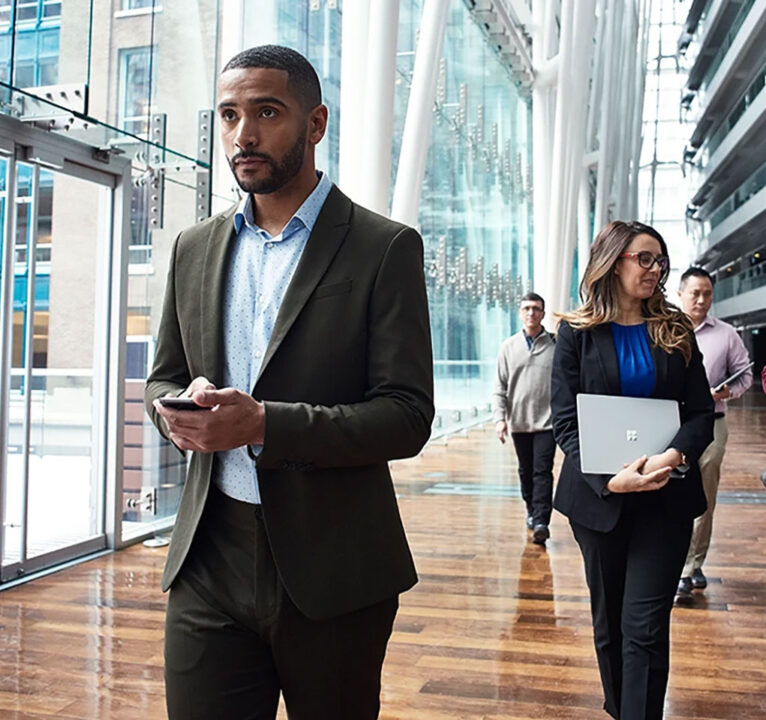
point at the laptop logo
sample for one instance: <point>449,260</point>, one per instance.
<point>632,435</point>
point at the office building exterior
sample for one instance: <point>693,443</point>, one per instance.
<point>724,99</point>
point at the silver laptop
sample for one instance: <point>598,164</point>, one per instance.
<point>615,430</point>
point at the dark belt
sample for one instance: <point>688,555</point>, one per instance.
<point>719,415</point>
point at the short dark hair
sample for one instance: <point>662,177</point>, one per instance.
<point>695,271</point>
<point>533,297</point>
<point>301,76</point>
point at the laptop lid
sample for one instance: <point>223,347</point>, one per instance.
<point>615,430</point>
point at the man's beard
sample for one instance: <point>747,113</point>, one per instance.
<point>281,173</point>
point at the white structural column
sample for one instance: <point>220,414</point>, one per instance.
<point>581,28</point>
<point>583,224</point>
<point>564,183</point>
<point>353,67</point>
<point>599,95</point>
<point>624,64</point>
<point>378,121</point>
<point>629,65</point>
<point>638,131</point>
<point>419,118</point>
<point>611,69</point>
<point>542,138</point>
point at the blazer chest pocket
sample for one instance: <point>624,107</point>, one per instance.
<point>329,289</point>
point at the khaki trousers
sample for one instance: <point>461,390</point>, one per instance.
<point>710,469</point>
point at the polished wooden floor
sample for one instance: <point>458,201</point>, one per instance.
<point>497,628</point>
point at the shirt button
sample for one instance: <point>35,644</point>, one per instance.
<point>258,354</point>
<point>269,245</point>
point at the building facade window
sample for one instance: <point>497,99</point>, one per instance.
<point>29,12</point>
<point>137,4</point>
<point>135,89</point>
<point>35,51</point>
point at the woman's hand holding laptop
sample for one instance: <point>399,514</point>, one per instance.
<point>671,457</point>
<point>645,473</point>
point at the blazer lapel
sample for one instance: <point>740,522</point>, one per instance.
<point>327,236</point>
<point>211,298</point>
<point>607,357</point>
<point>661,359</point>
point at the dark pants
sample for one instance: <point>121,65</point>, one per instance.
<point>234,639</point>
<point>535,452</point>
<point>632,573</point>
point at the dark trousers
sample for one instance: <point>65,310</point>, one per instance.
<point>535,452</point>
<point>234,639</point>
<point>632,573</point>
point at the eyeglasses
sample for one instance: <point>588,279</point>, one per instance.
<point>531,309</point>
<point>646,260</point>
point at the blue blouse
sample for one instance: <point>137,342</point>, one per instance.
<point>634,356</point>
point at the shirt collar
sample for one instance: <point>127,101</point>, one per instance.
<point>306,214</point>
<point>708,321</point>
<point>531,339</point>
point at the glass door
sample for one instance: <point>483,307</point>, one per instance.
<point>57,220</point>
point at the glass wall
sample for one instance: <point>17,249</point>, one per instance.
<point>475,210</point>
<point>663,182</point>
<point>114,75</point>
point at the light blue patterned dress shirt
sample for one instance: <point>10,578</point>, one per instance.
<point>260,270</point>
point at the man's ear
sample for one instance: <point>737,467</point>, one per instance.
<point>317,124</point>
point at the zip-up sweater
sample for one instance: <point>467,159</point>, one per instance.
<point>522,394</point>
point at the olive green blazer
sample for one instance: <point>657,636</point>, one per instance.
<point>347,384</point>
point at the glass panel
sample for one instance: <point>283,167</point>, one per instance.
<point>662,183</point>
<point>475,210</point>
<point>135,90</point>
<point>10,507</point>
<point>153,467</point>
<point>130,71</point>
<point>14,493</point>
<point>65,488</point>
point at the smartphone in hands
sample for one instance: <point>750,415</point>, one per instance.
<point>181,403</point>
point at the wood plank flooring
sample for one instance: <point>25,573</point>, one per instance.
<point>497,628</point>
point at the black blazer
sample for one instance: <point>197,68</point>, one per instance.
<point>585,361</point>
<point>347,383</point>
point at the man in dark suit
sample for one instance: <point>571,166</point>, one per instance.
<point>298,322</point>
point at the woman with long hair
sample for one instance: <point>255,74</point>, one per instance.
<point>634,527</point>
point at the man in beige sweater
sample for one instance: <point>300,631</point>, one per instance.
<point>522,405</point>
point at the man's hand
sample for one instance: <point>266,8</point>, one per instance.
<point>234,419</point>
<point>199,383</point>
<point>632,479</point>
<point>723,394</point>
<point>501,428</point>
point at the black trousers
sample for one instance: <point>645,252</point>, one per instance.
<point>632,573</point>
<point>535,452</point>
<point>234,640</point>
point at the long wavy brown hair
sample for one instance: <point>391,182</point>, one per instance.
<point>668,327</point>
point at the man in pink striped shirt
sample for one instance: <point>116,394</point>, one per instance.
<point>723,354</point>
